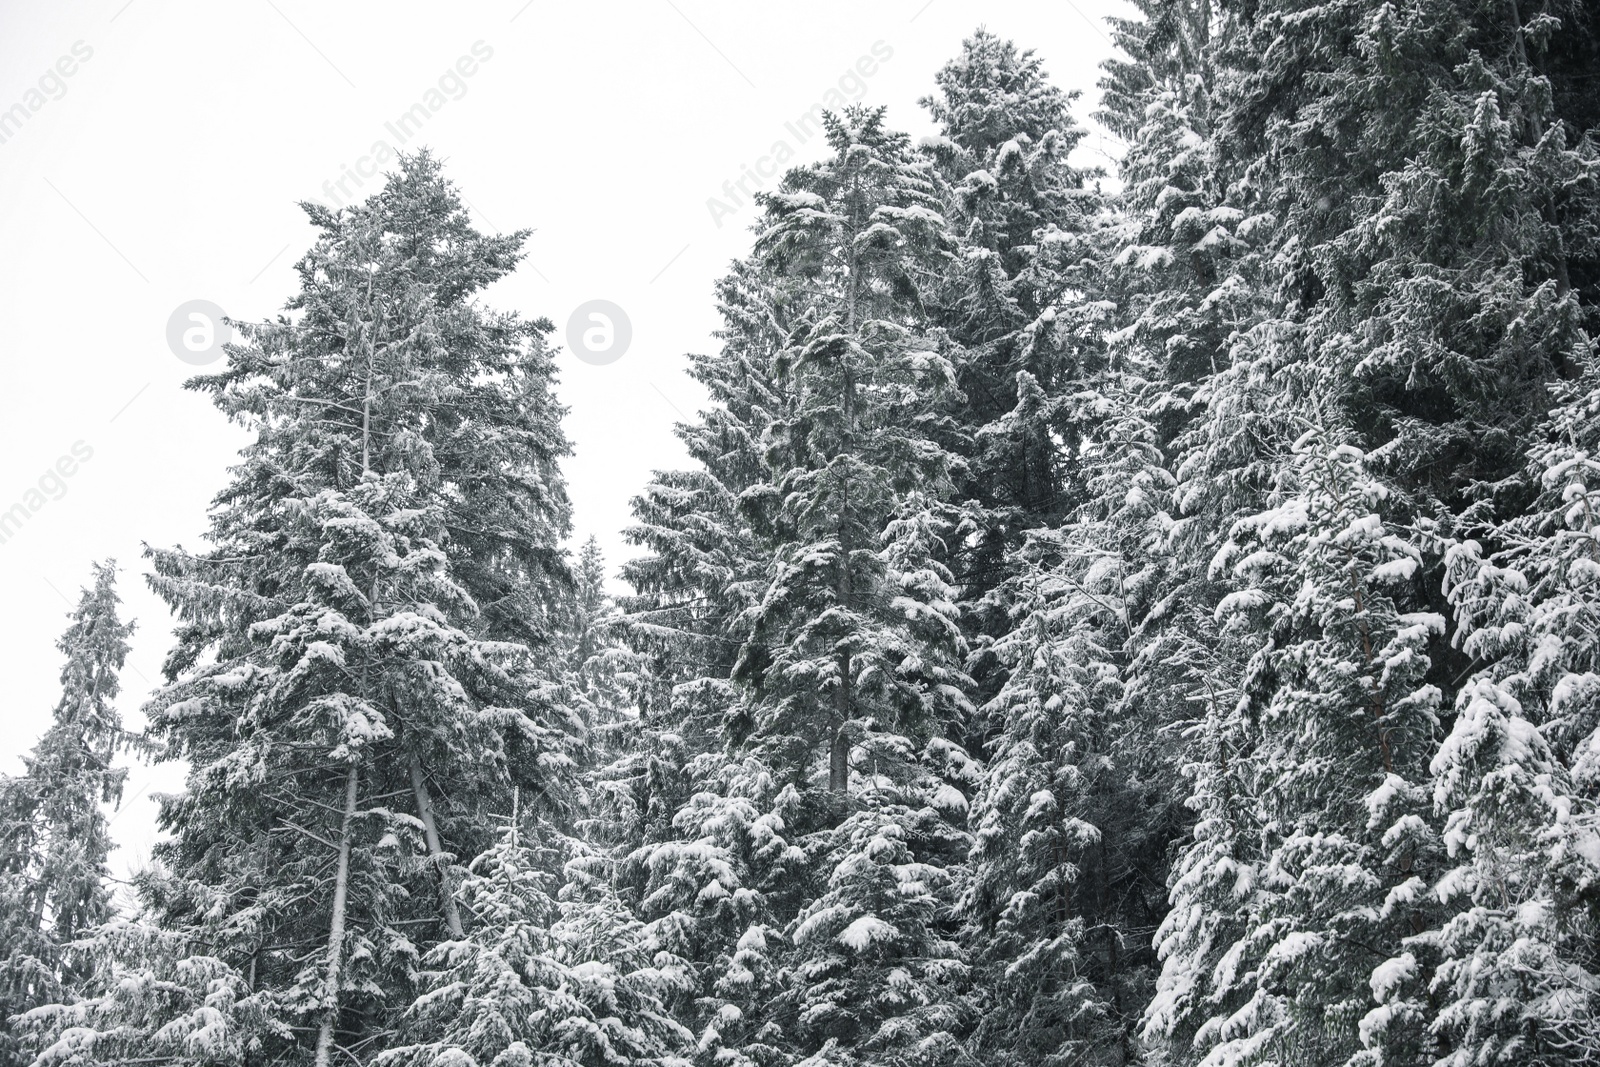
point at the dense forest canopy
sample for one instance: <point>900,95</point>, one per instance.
<point>1149,617</point>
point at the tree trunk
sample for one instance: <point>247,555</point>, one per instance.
<point>839,761</point>
<point>839,748</point>
<point>341,892</point>
<point>430,829</point>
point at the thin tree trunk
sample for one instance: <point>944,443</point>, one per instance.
<point>516,816</point>
<point>366,400</point>
<point>341,893</point>
<point>341,885</point>
<point>839,761</point>
<point>839,748</point>
<point>430,830</point>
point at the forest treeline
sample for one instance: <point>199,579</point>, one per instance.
<point>1110,618</point>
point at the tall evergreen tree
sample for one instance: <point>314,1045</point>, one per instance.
<point>700,527</point>
<point>151,996</point>
<point>803,619</point>
<point>856,609</point>
<point>1022,217</point>
<point>855,642</point>
<point>1401,169</point>
<point>703,824</point>
<point>606,676</point>
<point>1516,779</point>
<point>364,666</point>
<point>1420,246</point>
<point>1075,811</point>
<point>1347,724</point>
<point>56,838</point>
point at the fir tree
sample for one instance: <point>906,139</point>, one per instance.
<point>1022,217</point>
<point>855,610</point>
<point>1443,325</point>
<point>1346,725</point>
<point>1074,809</point>
<point>712,894</point>
<point>855,641</point>
<point>699,527</point>
<point>607,677</point>
<point>53,872</point>
<point>361,672</point>
<point>699,827</point>
<point>874,973</point>
<point>1515,781</point>
<point>542,979</point>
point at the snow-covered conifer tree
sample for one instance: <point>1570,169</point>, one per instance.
<point>54,834</point>
<point>1346,724</point>
<point>852,635</point>
<point>543,978</point>
<point>1516,780</point>
<point>1015,296</point>
<point>360,674</point>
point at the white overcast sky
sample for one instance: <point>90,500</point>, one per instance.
<point>168,167</point>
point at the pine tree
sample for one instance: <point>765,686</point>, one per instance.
<point>374,629</point>
<point>795,593</point>
<point>1414,203</point>
<point>855,642</point>
<point>53,873</point>
<point>1214,883</point>
<point>1519,980</point>
<point>1346,725</point>
<point>1515,781</point>
<point>1023,221</point>
<point>713,894</point>
<point>542,979</point>
<point>606,682</point>
<point>1109,642</point>
<point>874,972</point>
<point>855,461</point>
<point>591,605</point>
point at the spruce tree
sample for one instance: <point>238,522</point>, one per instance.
<point>1352,126</point>
<point>56,837</point>
<point>699,528</point>
<point>799,609</point>
<point>1075,810</point>
<point>542,978</point>
<point>1346,726</point>
<point>1023,219</point>
<point>699,825</point>
<point>606,680</point>
<point>1515,781</point>
<point>855,611</point>
<point>365,665</point>
<point>1411,202</point>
